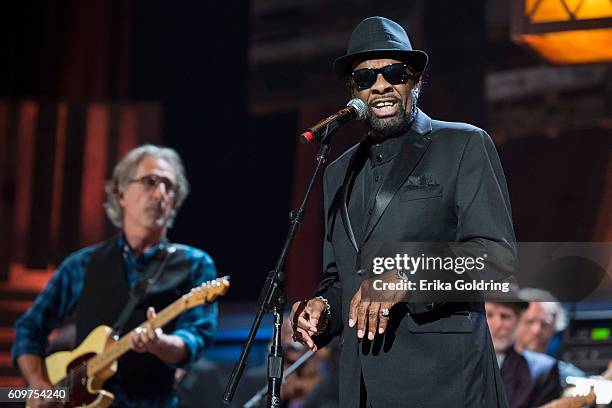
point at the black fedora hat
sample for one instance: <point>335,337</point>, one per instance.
<point>379,36</point>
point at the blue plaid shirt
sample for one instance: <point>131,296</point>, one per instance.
<point>58,300</point>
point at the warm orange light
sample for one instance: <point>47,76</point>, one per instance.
<point>566,31</point>
<point>573,47</point>
<point>595,9</point>
<point>545,11</point>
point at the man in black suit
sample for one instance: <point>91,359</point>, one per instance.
<point>412,179</point>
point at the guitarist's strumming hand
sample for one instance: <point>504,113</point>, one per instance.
<point>31,365</point>
<point>169,348</point>
<point>41,384</point>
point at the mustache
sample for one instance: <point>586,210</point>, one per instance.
<point>155,206</point>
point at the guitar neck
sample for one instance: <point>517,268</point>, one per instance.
<point>123,345</point>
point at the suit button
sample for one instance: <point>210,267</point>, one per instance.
<point>379,158</point>
<point>360,272</point>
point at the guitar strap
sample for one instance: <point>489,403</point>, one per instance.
<point>140,289</point>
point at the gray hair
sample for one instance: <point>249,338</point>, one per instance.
<point>125,170</point>
<point>549,303</point>
<point>557,310</point>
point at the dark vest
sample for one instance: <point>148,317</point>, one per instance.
<point>140,376</point>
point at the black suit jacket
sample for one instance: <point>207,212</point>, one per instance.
<point>437,355</point>
<point>531,379</point>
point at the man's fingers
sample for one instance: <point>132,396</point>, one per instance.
<point>362,316</point>
<point>304,319</point>
<point>353,308</point>
<point>383,320</point>
<point>314,310</point>
<point>144,335</point>
<point>305,325</point>
<point>296,311</point>
<point>135,340</point>
<point>151,313</point>
<point>151,335</point>
<point>304,338</point>
<point>373,319</point>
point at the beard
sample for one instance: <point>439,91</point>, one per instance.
<point>392,126</point>
<point>156,215</point>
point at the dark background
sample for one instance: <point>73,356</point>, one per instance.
<point>233,118</point>
<point>229,85</point>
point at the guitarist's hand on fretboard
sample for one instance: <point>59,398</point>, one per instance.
<point>146,339</point>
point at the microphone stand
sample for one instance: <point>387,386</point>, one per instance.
<point>254,401</point>
<point>272,299</point>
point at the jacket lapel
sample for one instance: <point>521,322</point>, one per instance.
<point>412,150</point>
<point>351,173</point>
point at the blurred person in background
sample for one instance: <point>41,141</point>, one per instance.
<point>531,379</point>
<point>94,284</point>
<point>536,328</point>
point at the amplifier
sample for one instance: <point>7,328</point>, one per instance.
<point>587,342</point>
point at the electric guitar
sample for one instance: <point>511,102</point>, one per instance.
<point>84,370</point>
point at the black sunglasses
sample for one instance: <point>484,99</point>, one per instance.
<point>151,181</point>
<point>394,74</point>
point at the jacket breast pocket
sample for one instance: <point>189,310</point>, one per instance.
<point>410,193</point>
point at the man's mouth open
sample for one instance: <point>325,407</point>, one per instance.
<point>384,108</point>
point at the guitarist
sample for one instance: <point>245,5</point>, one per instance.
<point>93,285</point>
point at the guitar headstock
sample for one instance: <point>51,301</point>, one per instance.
<point>207,292</point>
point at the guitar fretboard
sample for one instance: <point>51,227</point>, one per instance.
<point>123,345</point>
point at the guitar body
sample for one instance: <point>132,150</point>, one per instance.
<point>84,370</point>
<point>66,368</point>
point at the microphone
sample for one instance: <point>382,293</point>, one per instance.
<point>355,108</point>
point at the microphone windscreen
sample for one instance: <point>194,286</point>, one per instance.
<point>360,107</point>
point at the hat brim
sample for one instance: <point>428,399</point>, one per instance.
<point>416,59</point>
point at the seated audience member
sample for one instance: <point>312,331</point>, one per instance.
<point>531,379</point>
<point>326,393</point>
<point>537,326</point>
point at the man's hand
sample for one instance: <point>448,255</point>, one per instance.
<point>32,369</point>
<point>41,402</point>
<point>146,339</point>
<point>307,319</point>
<point>370,308</point>
<point>167,347</point>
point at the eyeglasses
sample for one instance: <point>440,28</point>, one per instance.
<point>151,181</point>
<point>394,74</point>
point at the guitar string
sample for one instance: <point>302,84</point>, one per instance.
<point>70,375</point>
